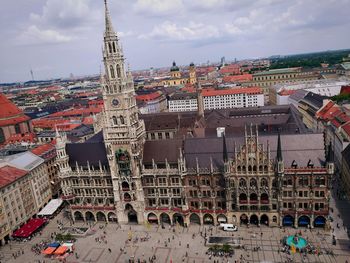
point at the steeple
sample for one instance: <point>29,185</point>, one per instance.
<point>224,150</point>
<point>109,26</point>
<point>279,149</point>
<point>279,158</point>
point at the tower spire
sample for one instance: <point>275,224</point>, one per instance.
<point>109,26</point>
<point>279,148</point>
<point>225,154</point>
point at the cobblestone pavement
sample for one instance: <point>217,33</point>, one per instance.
<point>170,244</point>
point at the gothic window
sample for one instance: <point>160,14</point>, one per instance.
<point>118,71</point>
<point>253,183</point>
<point>2,136</point>
<point>111,69</point>
<point>121,120</point>
<point>17,128</point>
<point>242,183</point>
<point>263,182</point>
<point>107,89</point>
<point>115,121</point>
<point>110,48</point>
<point>114,50</point>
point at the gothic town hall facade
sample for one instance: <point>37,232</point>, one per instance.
<point>258,175</point>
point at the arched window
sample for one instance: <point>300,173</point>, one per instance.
<point>121,119</point>
<point>242,183</point>
<point>107,89</point>
<point>115,121</point>
<point>17,128</point>
<point>263,182</point>
<point>118,71</point>
<point>253,183</point>
<point>110,47</point>
<point>2,136</point>
<point>114,50</point>
<point>111,69</point>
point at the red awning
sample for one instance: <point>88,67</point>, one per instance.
<point>29,228</point>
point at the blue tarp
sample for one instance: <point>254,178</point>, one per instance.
<point>55,244</point>
<point>319,221</point>
<point>288,220</point>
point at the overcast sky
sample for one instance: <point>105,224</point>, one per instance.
<point>59,37</point>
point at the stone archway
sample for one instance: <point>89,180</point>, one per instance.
<point>178,219</point>
<point>131,213</point>
<point>234,219</point>
<point>264,220</point>
<point>152,218</point>
<point>112,217</point>
<point>125,186</point>
<point>165,218</point>
<point>254,220</point>
<point>78,216</point>
<point>194,219</point>
<point>221,219</point>
<point>208,219</point>
<point>244,219</point>
<point>89,216</point>
<point>288,220</point>
<point>320,221</point>
<point>100,216</point>
<point>304,221</point>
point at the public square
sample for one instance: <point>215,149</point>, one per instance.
<point>177,244</point>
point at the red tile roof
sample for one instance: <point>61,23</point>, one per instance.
<point>17,138</point>
<point>9,174</point>
<point>10,114</point>
<point>286,92</point>
<point>247,90</point>
<point>238,78</point>
<point>148,97</point>
<point>45,151</point>
<point>231,69</point>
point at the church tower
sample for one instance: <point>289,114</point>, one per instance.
<point>123,131</point>
<point>192,73</point>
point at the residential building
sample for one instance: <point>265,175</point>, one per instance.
<point>217,99</point>
<point>16,200</point>
<point>15,126</point>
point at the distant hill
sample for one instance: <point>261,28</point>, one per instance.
<point>309,60</point>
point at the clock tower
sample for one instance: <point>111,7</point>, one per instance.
<point>123,131</point>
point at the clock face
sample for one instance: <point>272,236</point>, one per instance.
<point>115,102</point>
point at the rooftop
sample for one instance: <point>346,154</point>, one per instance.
<point>25,161</point>
<point>9,174</point>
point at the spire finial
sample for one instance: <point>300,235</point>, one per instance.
<point>109,27</point>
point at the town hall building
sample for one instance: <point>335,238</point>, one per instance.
<point>258,167</point>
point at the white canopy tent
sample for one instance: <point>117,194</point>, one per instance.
<point>51,207</point>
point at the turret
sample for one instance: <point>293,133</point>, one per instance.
<point>279,158</point>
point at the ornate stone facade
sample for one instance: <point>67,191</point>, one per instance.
<point>118,176</point>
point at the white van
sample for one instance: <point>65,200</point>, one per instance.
<point>228,227</point>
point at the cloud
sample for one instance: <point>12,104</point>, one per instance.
<point>169,31</point>
<point>126,34</point>
<point>66,14</point>
<point>159,7</point>
<point>34,36</point>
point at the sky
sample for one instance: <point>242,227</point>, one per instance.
<point>55,38</point>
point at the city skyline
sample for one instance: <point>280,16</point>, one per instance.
<point>55,38</point>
